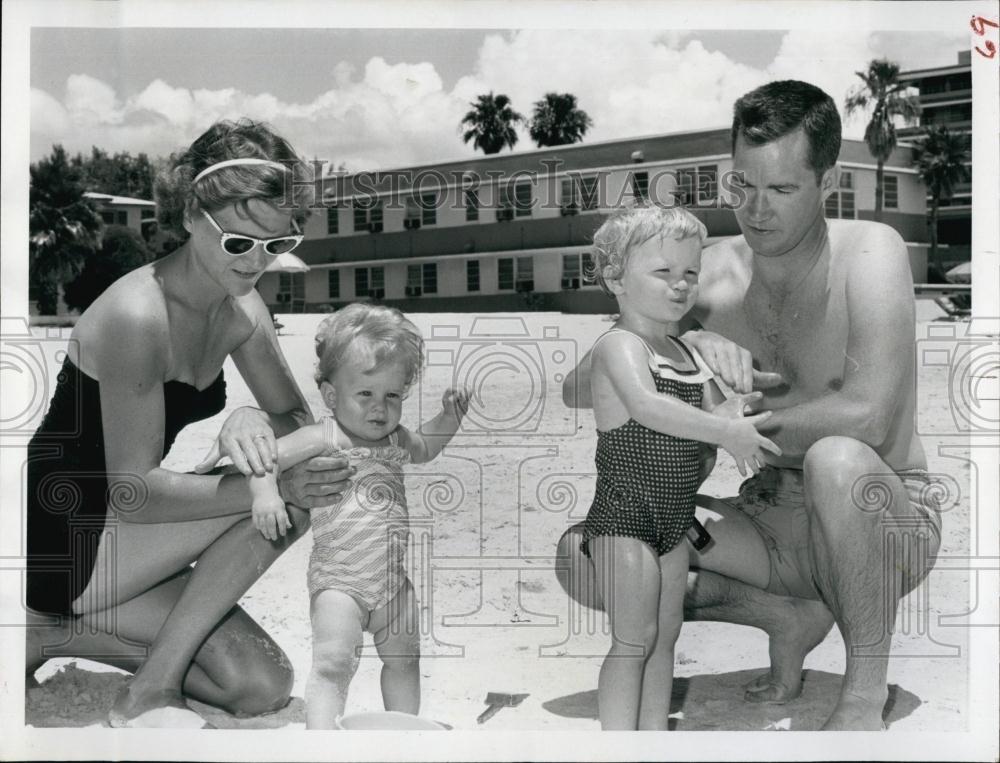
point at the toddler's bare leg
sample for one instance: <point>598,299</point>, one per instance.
<point>337,637</point>
<point>396,628</point>
<point>628,579</point>
<point>657,678</point>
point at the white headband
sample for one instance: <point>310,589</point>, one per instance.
<point>235,162</point>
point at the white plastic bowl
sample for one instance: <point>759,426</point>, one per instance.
<point>389,720</point>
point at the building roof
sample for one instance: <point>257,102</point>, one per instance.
<point>681,147</point>
<point>110,200</point>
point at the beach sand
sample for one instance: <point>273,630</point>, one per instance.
<point>486,517</point>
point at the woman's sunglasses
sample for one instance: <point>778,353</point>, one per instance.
<point>236,244</point>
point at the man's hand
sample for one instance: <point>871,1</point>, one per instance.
<point>738,406</point>
<point>316,482</point>
<point>731,362</point>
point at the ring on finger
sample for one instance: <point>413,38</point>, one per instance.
<point>260,437</point>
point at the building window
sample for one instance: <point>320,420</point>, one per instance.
<point>577,270</point>
<point>472,275</point>
<point>640,186</point>
<point>428,208</point>
<point>367,215</point>
<point>581,191</point>
<point>332,221</point>
<point>108,218</point>
<point>514,200</point>
<point>122,217</point>
<point>292,290</point>
<point>148,214</point>
<point>524,277</point>
<point>333,283</point>
<point>413,288</point>
<point>841,202</point>
<point>471,205</point>
<point>369,282</point>
<point>505,273</point>
<point>708,183</point>
<point>430,281</point>
<point>890,191</point>
<point>687,182</point>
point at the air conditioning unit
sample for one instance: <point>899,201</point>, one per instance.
<point>413,291</point>
<point>524,286</point>
<point>283,297</point>
<point>505,214</point>
<point>375,227</point>
<point>411,223</point>
<point>571,283</point>
<point>377,293</point>
<point>567,210</point>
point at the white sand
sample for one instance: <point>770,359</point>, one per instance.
<point>495,617</point>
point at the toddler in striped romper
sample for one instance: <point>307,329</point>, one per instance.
<point>368,357</point>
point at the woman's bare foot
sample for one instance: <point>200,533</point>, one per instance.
<point>803,627</point>
<point>162,709</point>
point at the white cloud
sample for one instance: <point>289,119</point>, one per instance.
<point>91,101</point>
<point>390,115</point>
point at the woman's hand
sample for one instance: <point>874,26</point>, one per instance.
<point>731,362</point>
<point>316,482</point>
<point>246,437</point>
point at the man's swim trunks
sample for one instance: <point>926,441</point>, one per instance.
<point>774,502</point>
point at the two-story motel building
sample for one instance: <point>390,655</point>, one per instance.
<point>512,232</point>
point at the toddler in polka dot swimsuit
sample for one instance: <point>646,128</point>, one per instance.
<point>655,402</point>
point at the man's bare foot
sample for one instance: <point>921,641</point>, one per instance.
<point>796,632</point>
<point>855,713</point>
<point>162,709</point>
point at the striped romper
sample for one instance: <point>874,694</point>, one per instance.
<point>359,543</point>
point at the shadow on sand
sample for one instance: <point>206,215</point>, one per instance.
<point>715,703</point>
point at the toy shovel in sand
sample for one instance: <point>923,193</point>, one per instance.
<point>496,701</point>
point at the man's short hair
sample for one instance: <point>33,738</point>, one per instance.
<point>778,108</point>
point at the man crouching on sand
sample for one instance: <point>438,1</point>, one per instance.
<point>825,310</point>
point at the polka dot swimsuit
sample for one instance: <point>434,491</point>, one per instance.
<point>646,480</point>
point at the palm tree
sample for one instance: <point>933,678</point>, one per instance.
<point>557,121</point>
<point>940,159</point>
<point>887,95</point>
<point>491,123</point>
<point>63,227</point>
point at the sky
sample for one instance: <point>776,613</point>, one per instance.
<point>382,98</point>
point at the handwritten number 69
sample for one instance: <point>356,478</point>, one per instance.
<point>979,25</point>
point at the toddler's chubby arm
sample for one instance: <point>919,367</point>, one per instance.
<point>267,506</point>
<point>437,432</point>
<point>619,370</point>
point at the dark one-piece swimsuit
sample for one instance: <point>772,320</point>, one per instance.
<point>647,480</point>
<point>68,483</point>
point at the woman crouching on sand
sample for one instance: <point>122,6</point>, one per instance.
<point>111,534</point>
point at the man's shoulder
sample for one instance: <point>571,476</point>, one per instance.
<point>725,256</point>
<point>864,237</point>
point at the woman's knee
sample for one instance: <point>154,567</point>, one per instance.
<point>261,691</point>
